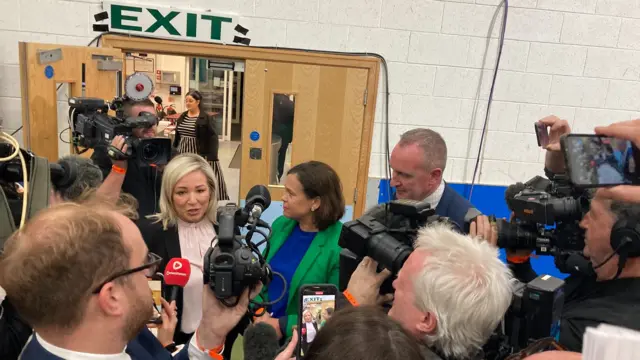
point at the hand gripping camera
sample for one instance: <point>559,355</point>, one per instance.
<point>92,125</point>
<point>233,265</point>
<point>386,234</point>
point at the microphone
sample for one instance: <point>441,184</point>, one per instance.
<point>512,191</point>
<point>260,342</point>
<point>158,99</point>
<point>258,199</point>
<point>65,172</point>
<point>176,276</point>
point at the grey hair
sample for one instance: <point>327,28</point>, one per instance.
<point>464,285</point>
<point>625,210</point>
<point>175,170</point>
<point>432,144</point>
<point>88,176</point>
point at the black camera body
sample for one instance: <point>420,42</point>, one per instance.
<point>93,126</point>
<point>232,265</point>
<point>386,234</point>
<point>534,313</point>
<point>546,217</point>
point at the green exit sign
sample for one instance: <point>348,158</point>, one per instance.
<point>170,23</point>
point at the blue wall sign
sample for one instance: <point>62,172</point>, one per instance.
<point>254,136</point>
<point>48,71</point>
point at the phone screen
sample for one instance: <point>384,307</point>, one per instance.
<point>317,304</point>
<point>542,134</point>
<point>595,161</point>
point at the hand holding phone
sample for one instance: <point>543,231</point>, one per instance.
<point>542,134</point>
<point>599,161</point>
<point>555,128</point>
<point>317,303</point>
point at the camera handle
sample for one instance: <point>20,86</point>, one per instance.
<point>116,154</point>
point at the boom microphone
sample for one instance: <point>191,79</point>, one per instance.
<point>176,276</point>
<point>260,342</point>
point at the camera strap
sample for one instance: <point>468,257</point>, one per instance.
<point>39,186</point>
<point>37,197</point>
<point>7,223</point>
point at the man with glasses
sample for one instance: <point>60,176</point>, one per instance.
<point>78,274</point>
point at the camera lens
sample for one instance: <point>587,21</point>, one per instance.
<point>150,152</point>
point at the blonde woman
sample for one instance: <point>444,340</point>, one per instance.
<point>309,330</point>
<point>184,228</point>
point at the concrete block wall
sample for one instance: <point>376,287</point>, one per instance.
<point>579,59</point>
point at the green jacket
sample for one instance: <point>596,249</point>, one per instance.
<point>319,265</point>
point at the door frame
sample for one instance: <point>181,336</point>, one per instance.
<point>187,48</point>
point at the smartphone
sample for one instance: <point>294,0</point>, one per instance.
<point>542,134</point>
<point>599,161</point>
<point>317,304</point>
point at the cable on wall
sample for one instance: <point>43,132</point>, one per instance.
<point>490,101</point>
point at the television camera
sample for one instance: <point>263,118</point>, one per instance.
<point>538,205</point>
<point>233,265</point>
<point>534,314</point>
<point>386,234</point>
<point>92,125</point>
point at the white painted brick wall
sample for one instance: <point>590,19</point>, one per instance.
<point>579,59</point>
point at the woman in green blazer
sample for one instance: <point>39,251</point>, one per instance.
<point>304,242</point>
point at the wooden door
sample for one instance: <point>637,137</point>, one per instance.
<point>329,113</point>
<point>42,69</point>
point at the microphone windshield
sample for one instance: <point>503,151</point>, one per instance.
<point>259,195</point>
<point>512,191</point>
<point>158,99</point>
<point>177,272</point>
<point>260,342</point>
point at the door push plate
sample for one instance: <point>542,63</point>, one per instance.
<point>49,56</point>
<point>255,153</point>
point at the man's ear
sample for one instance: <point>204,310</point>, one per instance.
<point>436,175</point>
<point>428,324</point>
<point>111,300</point>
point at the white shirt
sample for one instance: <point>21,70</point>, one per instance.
<point>74,355</point>
<point>434,199</point>
<point>311,332</point>
<point>195,240</point>
<point>194,352</point>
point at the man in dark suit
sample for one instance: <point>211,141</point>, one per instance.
<point>418,162</point>
<point>78,274</point>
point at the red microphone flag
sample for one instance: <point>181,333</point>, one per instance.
<point>177,272</point>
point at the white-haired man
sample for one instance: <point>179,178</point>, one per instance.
<point>452,292</point>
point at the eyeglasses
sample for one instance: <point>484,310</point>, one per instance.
<point>541,345</point>
<point>150,267</point>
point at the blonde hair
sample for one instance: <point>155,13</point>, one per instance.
<point>175,170</point>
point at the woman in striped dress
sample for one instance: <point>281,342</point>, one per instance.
<point>196,133</point>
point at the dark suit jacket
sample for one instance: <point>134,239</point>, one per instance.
<point>453,206</point>
<point>166,244</point>
<point>207,140</point>
<point>144,347</point>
